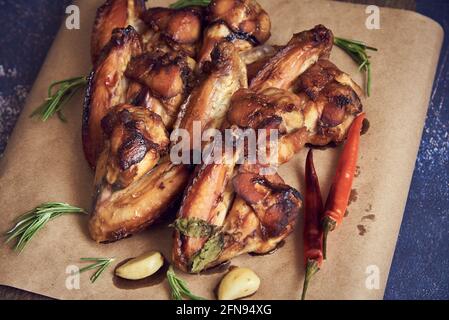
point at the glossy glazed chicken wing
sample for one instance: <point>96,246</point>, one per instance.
<point>114,14</point>
<point>242,22</point>
<point>302,51</point>
<point>177,30</point>
<point>107,87</point>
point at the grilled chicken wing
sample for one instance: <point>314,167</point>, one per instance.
<point>257,57</point>
<point>332,102</point>
<point>121,213</point>
<point>299,119</point>
<point>131,191</point>
<point>242,17</point>
<point>167,76</point>
<point>107,87</point>
<point>177,30</point>
<point>209,101</point>
<point>136,139</point>
<point>207,198</point>
<point>243,22</point>
<point>111,15</point>
<point>302,51</point>
<point>262,214</point>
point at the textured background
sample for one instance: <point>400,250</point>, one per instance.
<point>421,263</point>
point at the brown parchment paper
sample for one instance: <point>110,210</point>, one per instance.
<point>44,162</point>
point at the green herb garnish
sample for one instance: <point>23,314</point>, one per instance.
<point>34,220</point>
<point>358,52</point>
<point>209,253</point>
<point>179,288</point>
<point>56,100</point>
<point>99,263</point>
<point>194,227</point>
<point>188,3</point>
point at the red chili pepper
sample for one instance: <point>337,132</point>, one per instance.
<point>313,228</point>
<point>337,201</point>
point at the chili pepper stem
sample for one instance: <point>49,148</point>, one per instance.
<point>328,225</point>
<point>311,269</point>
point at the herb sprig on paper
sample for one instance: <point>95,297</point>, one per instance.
<point>358,52</point>
<point>34,220</point>
<point>179,288</point>
<point>56,100</point>
<point>101,264</point>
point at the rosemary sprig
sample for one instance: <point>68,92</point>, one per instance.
<point>34,220</point>
<point>358,52</point>
<point>56,100</point>
<point>179,287</point>
<point>98,263</point>
<point>187,3</point>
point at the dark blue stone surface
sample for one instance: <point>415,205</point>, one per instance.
<point>420,268</point>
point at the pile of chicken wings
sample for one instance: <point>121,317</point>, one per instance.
<point>160,69</point>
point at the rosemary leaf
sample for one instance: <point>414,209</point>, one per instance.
<point>101,264</point>
<point>357,50</point>
<point>194,227</point>
<point>179,287</point>
<point>210,251</point>
<point>34,220</point>
<point>188,3</point>
<point>59,93</point>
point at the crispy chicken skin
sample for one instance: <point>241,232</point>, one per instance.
<point>107,87</point>
<point>320,112</point>
<point>136,139</point>
<point>259,110</point>
<point>332,102</point>
<point>209,100</point>
<point>168,78</point>
<point>245,17</point>
<point>275,204</point>
<point>302,51</point>
<point>111,15</point>
<point>262,215</point>
<point>314,79</point>
<point>119,214</point>
<point>242,22</point>
<point>177,30</point>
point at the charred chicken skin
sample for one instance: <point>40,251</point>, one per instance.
<point>165,78</point>
<point>177,30</point>
<point>136,139</point>
<point>107,87</point>
<point>242,22</point>
<point>114,14</point>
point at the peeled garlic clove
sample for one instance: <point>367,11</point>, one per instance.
<point>238,283</point>
<point>141,267</point>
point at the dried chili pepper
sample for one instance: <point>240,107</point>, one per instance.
<point>338,198</point>
<point>313,228</point>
